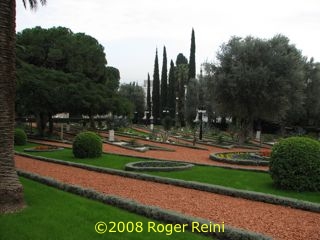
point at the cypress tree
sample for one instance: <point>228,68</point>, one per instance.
<point>164,82</point>
<point>172,91</point>
<point>148,97</point>
<point>192,59</point>
<point>156,91</point>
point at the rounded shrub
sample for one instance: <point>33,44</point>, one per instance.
<point>295,164</point>
<point>87,145</point>
<point>20,137</point>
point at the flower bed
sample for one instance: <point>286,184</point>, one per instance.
<point>157,166</point>
<point>243,158</point>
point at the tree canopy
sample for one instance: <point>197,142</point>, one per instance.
<point>63,72</point>
<point>258,79</point>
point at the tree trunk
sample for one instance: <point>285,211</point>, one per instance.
<point>92,125</point>
<point>50,132</point>
<point>11,190</point>
<point>41,124</point>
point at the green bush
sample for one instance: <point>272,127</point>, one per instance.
<point>295,164</point>
<point>87,145</point>
<point>20,137</point>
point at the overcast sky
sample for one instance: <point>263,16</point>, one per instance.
<point>131,30</point>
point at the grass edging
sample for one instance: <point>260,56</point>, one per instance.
<point>250,195</point>
<point>156,213</point>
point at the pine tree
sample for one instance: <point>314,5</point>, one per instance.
<point>156,91</point>
<point>192,59</point>
<point>172,91</point>
<point>148,97</point>
<point>164,82</point>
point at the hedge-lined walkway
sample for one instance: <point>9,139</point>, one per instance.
<point>276,221</point>
<point>180,154</point>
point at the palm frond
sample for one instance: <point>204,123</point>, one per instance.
<point>34,3</point>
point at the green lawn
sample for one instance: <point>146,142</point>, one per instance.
<point>54,214</point>
<point>245,180</point>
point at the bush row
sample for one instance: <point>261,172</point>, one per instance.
<point>246,162</point>
<point>230,233</point>
<point>255,196</point>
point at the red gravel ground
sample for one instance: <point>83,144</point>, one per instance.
<point>276,221</point>
<point>180,154</point>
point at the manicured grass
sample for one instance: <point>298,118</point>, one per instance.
<point>54,214</point>
<point>245,180</point>
<point>106,160</point>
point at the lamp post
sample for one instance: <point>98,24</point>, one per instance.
<point>151,118</point>
<point>201,112</point>
<point>177,112</point>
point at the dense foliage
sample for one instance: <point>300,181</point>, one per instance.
<point>295,164</point>
<point>87,145</point>
<point>258,79</point>
<point>61,71</point>
<point>20,137</point>
<point>136,98</point>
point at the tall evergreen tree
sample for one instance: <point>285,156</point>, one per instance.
<point>156,91</point>
<point>171,91</point>
<point>148,97</point>
<point>192,59</point>
<point>164,82</point>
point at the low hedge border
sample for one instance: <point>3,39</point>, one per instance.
<point>250,195</point>
<point>133,166</point>
<point>158,159</point>
<point>246,162</point>
<point>156,213</point>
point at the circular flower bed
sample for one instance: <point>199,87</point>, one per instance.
<point>242,158</point>
<point>157,166</point>
<point>43,148</point>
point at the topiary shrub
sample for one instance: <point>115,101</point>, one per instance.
<point>87,145</point>
<point>20,137</point>
<point>295,164</point>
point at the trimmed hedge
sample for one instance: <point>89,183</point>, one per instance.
<point>157,166</point>
<point>156,213</point>
<point>87,145</point>
<point>295,164</point>
<point>20,137</point>
<point>255,196</point>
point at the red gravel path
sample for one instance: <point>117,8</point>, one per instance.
<point>276,221</point>
<point>180,154</point>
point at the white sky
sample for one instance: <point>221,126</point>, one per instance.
<point>130,30</point>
